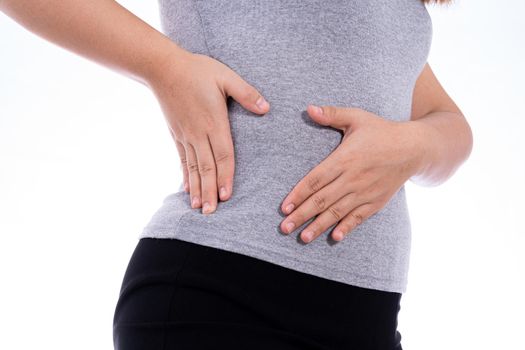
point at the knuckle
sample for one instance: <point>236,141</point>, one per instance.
<point>205,168</point>
<point>354,110</point>
<point>335,211</point>
<point>193,167</point>
<point>349,226</point>
<point>358,218</point>
<point>314,184</point>
<point>222,157</point>
<point>319,202</point>
<point>330,111</point>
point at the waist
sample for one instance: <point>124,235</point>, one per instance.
<point>374,255</point>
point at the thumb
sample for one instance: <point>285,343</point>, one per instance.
<point>242,92</point>
<point>341,118</point>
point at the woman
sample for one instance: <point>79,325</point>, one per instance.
<point>232,275</point>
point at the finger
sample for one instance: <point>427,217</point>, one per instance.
<point>182,157</point>
<point>183,162</point>
<point>222,148</point>
<point>208,175</point>
<point>352,220</point>
<point>330,216</point>
<point>193,175</point>
<point>315,204</point>
<point>314,181</point>
<point>242,92</point>
<point>341,118</point>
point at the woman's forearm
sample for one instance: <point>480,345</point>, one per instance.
<point>445,140</point>
<point>100,30</point>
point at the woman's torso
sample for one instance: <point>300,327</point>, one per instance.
<point>364,54</point>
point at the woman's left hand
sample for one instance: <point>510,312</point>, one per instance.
<point>374,159</point>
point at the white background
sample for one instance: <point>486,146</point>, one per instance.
<point>86,159</point>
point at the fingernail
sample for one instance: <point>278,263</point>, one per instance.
<point>206,208</point>
<point>195,202</point>
<point>222,193</point>
<point>289,208</point>
<point>307,236</point>
<point>290,226</point>
<point>338,235</point>
<point>317,109</point>
<point>261,103</point>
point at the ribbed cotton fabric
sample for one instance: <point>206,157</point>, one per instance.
<point>348,53</point>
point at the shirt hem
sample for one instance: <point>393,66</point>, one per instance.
<point>363,281</point>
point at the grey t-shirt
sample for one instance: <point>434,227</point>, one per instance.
<point>365,54</point>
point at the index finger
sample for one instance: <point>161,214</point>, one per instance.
<point>222,147</point>
<point>320,176</point>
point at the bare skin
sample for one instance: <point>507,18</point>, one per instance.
<point>192,91</point>
<point>194,104</point>
<point>191,88</point>
<point>375,158</point>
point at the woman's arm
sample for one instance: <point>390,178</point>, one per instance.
<point>446,137</point>
<point>375,158</point>
<point>101,30</point>
<point>191,88</point>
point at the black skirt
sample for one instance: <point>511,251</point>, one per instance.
<point>181,295</point>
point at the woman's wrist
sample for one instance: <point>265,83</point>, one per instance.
<point>165,65</point>
<point>420,147</point>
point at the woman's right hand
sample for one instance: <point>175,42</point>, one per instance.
<point>192,90</point>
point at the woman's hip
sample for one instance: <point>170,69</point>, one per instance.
<point>179,293</point>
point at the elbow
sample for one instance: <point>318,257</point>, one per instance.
<point>468,139</point>
<point>431,181</point>
<point>437,174</point>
